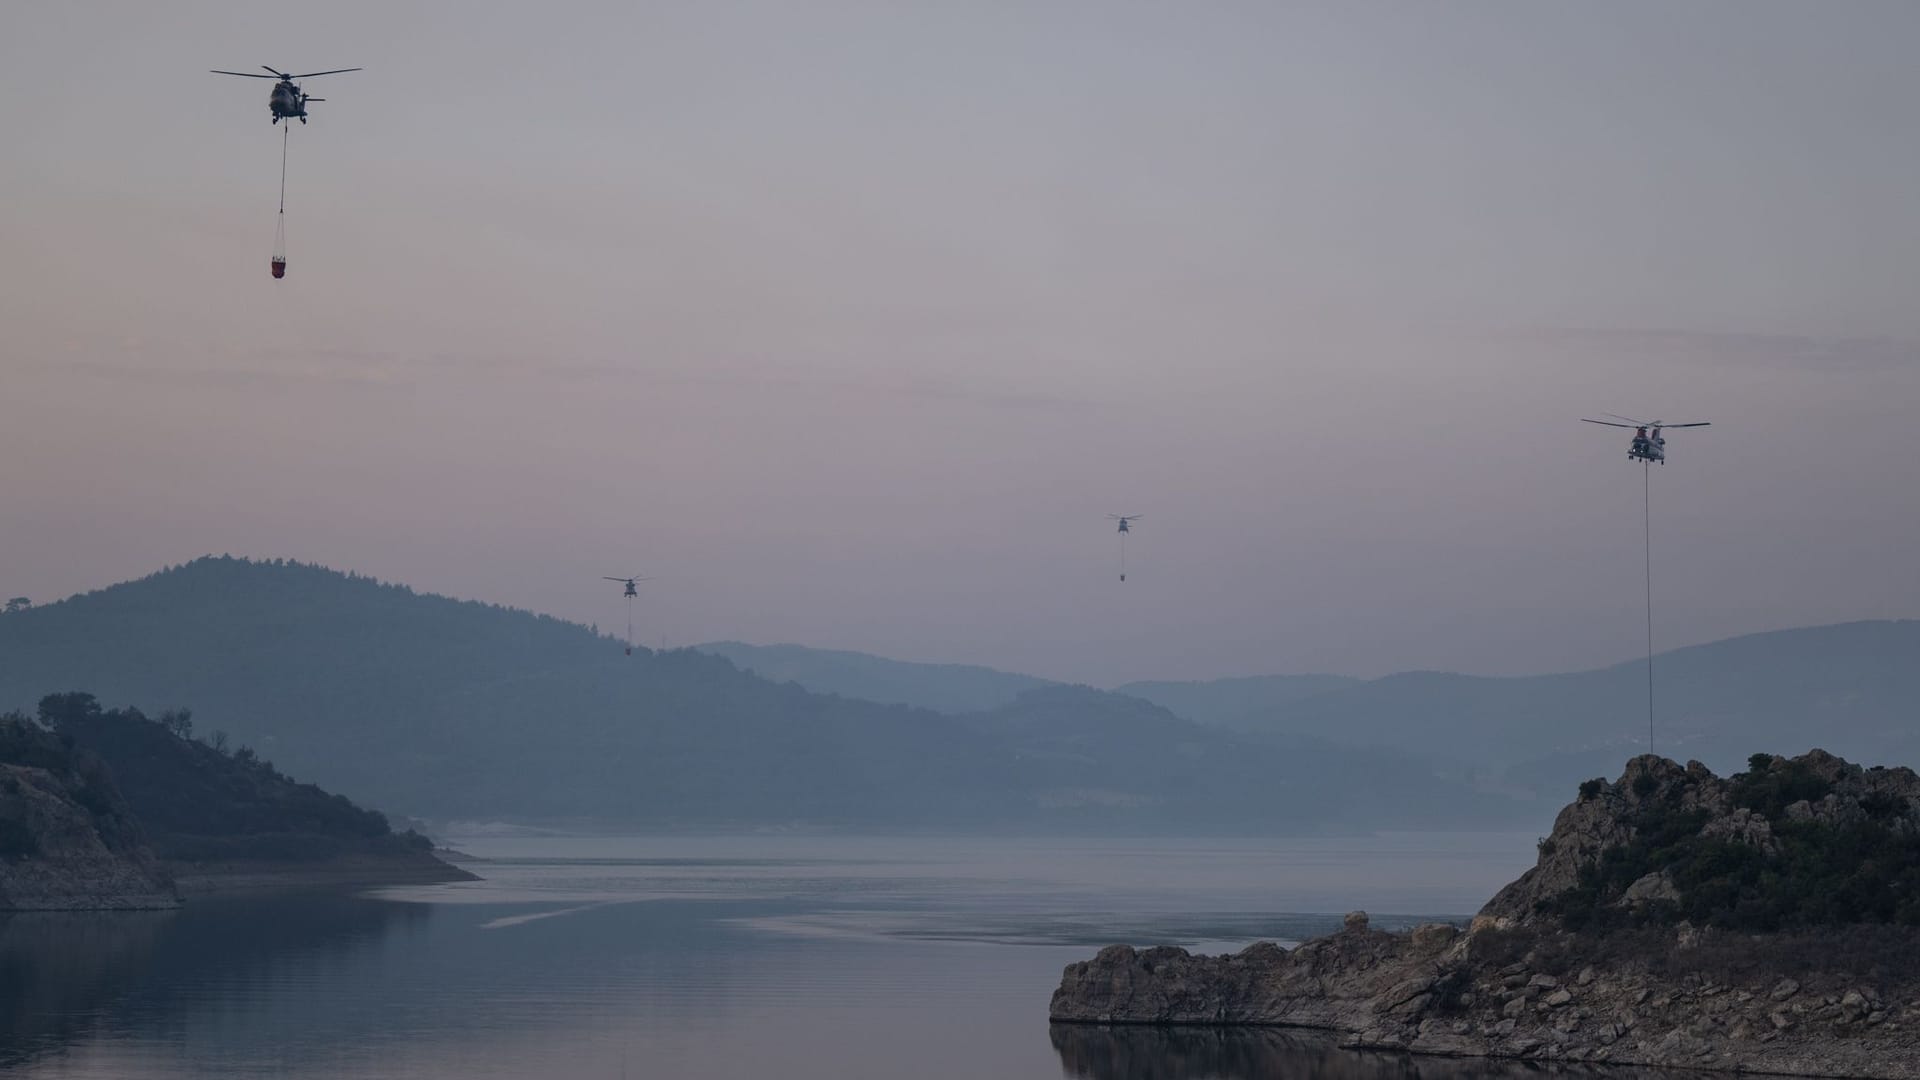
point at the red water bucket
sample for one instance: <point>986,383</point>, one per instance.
<point>279,268</point>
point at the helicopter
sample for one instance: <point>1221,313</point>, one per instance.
<point>633,591</point>
<point>1647,445</point>
<point>287,102</point>
<point>1126,526</point>
<point>632,583</point>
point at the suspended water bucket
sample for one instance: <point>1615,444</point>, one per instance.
<point>279,267</point>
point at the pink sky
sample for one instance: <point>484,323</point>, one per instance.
<point>850,322</point>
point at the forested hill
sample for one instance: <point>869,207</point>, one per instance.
<point>201,802</point>
<point>439,708</point>
<point>1238,702</point>
<point>947,688</point>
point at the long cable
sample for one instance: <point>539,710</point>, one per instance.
<point>280,222</point>
<point>1647,525</point>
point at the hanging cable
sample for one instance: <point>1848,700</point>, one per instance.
<point>1646,500</point>
<point>280,222</point>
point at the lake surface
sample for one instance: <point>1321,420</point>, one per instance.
<point>760,957</point>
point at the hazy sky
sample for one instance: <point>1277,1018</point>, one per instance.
<point>851,321</point>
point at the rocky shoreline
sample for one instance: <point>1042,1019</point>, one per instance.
<point>420,868</point>
<point>1575,963</point>
<point>1424,992</point>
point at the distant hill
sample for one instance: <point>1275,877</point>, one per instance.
<point>1235,703</point>
<point>1853,688</point>
<point>446,709</point>
<point>947,688</point>
<point>963,688</point>
<point>1090,753</point>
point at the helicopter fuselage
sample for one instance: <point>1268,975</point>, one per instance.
<point>287,103</point>
<point>1648,448</point>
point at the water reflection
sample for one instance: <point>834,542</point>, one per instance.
<point>1137,1052</point>
<point>750,958</point>
<point>65,976</point>
<point>56,969</point>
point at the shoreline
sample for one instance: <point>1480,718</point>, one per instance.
<point>1439,991</point>
<point>219,878</point>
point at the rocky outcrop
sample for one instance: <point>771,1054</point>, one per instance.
<point>1324,983</point>
<point>1816,788</point>
<point>1642,990</point>
<point>1426,993</point>
<point>67,841</point>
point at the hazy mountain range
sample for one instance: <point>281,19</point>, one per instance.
<point>446,709</point>
<point>1850,688</point>
<point>956,688</point>
<point>439,708</point>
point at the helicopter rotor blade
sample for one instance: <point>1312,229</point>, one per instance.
<point>242,74</point>
<point>1628,419</point>
<point>316,74</point>
<point>282,74</point>
<point>1608,423</point>
<point>1703,423</point>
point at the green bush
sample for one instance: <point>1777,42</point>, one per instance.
<point>1820,873</point>
<point>1769,790</point>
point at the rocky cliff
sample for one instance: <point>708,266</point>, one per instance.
<point>1767,922</point>
<point>67,840</point>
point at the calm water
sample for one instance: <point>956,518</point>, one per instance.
<point>752,957</point>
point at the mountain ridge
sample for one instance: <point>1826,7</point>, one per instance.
<point>1539,732</point>
<point>447,709</point>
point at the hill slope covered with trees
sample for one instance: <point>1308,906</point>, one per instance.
<point>201,803</point>
<point>446,709</point>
